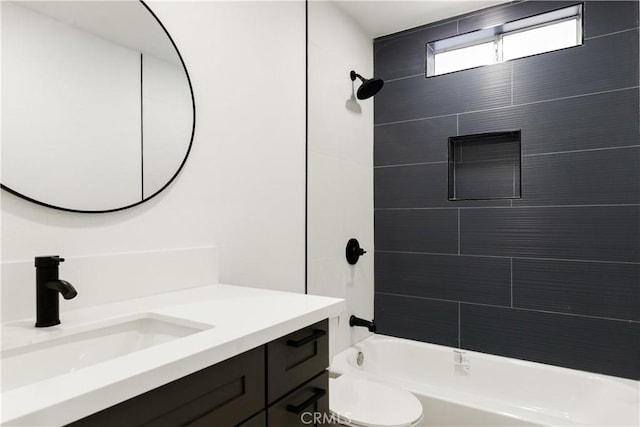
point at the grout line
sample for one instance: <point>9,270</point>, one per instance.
<point>513,183</point>
<point>509,257</point>
<point>412,76</point>
<point>512,83</point>
<point>511,279</point>
<point>438,254</point>
<point>458,231</point>
<point>515,105</point>
<point>416,209</point>
<point>585,150</point>
<point>410,164</point>
<point>611,34</point>
<point>417,120</point>
<point>451,163</point>
<point>542,101</point>
<point>459,325</point>
<point>505,206</point>
<point>615,319</point>
<point>521,173</point>
<point>458,126</point>
<point>494,160</point>
<point>412,30</point>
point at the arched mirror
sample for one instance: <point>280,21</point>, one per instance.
<point>98,112</point>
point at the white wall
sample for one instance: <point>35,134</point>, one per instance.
<point>248,72</point>
<point>340,166</point>
<point>242,189</point>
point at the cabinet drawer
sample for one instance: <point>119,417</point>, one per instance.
<point>299,407</point>
<point>224,394</point>
<point>296,358</point>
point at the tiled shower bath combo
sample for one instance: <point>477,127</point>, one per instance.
<point>550,273</point>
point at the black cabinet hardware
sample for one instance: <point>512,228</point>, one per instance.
<point>317,333</point>
<point>317,395</point>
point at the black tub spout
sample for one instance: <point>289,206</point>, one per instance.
<point>356,321</point>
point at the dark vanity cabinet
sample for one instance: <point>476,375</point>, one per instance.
<point>280,384</point>
<point>299,407</point>
<point>297,380</point>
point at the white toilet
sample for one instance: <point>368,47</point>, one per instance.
<point>359,402</point>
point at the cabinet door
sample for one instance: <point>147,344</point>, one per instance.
<point>296,358</point>
<point>222,395</point>
<point>259,420</point>
<point>305,406</point>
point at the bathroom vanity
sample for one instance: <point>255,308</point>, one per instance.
<point>278,381</point>
<point>215,355</point>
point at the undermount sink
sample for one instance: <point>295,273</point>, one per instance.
<point>84,347</point>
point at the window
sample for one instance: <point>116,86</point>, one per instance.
<point>539,40</point>
<point>546,32</point>
<point>466,57</point>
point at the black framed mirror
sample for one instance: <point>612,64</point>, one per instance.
<point>98,111</point>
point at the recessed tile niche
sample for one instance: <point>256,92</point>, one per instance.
<point>485,166</point>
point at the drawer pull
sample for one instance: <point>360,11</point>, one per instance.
<point>317,394</point>
<point>317,333</point>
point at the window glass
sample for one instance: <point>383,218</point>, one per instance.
<point>538,40</point>
<point>546,32</point>
<point>466,57</point>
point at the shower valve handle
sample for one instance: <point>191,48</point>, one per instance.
<point>354,251</point>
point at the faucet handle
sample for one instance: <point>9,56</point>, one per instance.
<point>48,261</point>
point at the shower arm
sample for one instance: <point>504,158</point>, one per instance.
<point>354,75</point>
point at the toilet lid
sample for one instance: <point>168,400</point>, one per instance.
<point>363,402</point>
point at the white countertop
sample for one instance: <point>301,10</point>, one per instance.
<point>243,318</point>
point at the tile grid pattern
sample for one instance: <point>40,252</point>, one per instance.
<point>554,276</point>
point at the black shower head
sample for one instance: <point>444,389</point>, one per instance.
<point>369,87</point>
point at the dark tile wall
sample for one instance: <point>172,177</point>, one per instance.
<point>554,276</point>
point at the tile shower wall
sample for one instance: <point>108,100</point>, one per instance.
<point>554,276</point>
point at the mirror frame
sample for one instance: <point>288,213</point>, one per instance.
<point>175,175</point>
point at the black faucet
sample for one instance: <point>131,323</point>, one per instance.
<point>48,285</point>
<point>356,321</point>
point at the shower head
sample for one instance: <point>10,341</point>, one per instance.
<point>369,87</point>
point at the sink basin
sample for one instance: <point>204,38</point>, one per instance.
<point>84,347</point>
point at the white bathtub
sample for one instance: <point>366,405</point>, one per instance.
<point>466,388</point>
